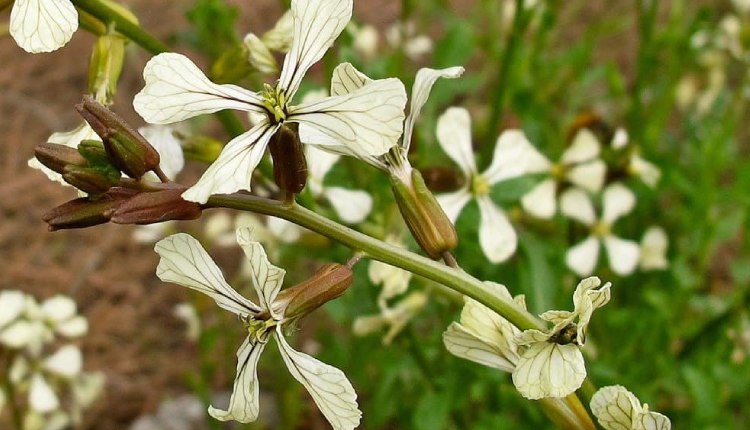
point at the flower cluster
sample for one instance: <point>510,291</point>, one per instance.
<point>38,367</point>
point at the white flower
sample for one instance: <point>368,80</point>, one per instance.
<point>394,317</point>
<point>12,305</point>
<point>742,5</point>
<point>369,119</point>
<point>394,281</point>
<point>647,171</point>
<point>623,254</point>
<point>70,139</point>
<point>171,158</point>
<point>65,364</point>
<point>352,206</point>
<point>654,249</point>
<point>483,336</point>
<point>60,315</point>
<point>404,35</point>
<point>187,314</point>
<point>365,41</point>
<point>579,165</point>
<point>185,262</point>
<point>497,237</point>
<point>550,362</point>
<point>42,25</point>
<point>278,39</point>
<point>616,408</point>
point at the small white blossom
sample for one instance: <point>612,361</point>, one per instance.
<point>616,408</point>
<point>497,237</point>
<point>654,246</point>
<point>185,262</point>
<point>278,39</point>
<point>393,280</point>
<point>404,35</point>
<point>623,254</point>
<point>189,315</point>
<point>638,166</point>
<point>483,336</point>
<point>365,40</point>
<point>550,362</point>
<point>369,119</point>
<point>171,157</point>
<point>394,317</point>
<point>42,25</point>
<point>579,165</point>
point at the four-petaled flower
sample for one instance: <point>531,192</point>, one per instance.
<point>550,363</point>
<point>370,118</point>
<point>579,165</point>
<point>497,237</point>
<point>617,200</point>
<point>42,25</point>
<point>185,262</point>
<point>616,408</point>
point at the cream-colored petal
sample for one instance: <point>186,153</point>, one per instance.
<point>463,343</point>
<point>652,421</point>
<point>285,231</point>
<point>454,136</point>
<point>618,200</point>
<point>347,79</point>
<point>319,162</point>
<point>576,204</point>
<point>259,55</point>
<point>644,169</point>
<point>512,153</point>
<point>497,237</point>
<point>244,404</point>
<point>585,146</point>
<point>58,308</point>
<point>394,280</point>
<point>176,89</point>
<point>317,24</point>
<point>620,139</point>
<point>281,36</point>
<point>266,278</point>
<point>87,388</point>
<point>615,407</point>
<point>42,398</point>
<point>328,386</point>
<point>541,201</point>
<point>368,121</point>
<point>185,262</point>
<point>42,25</point>
<point>453,203</point>
<point>653,249</point>
<point>352,206</point>
<point>589,176</point>
<point>70,139</point>
<point>162,138</point>
<point>623,254</point>
<point>423,83</point>
<point>582,257</point>
<point>66,362</point>
<point>549,370</point>
<point>19,334</point>
<point>12,304</point>
<point>233,170</point>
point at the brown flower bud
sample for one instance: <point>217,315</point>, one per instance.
<point>56,157</point>
<point>328,283</point>
<point>85,211</point>
<point>127,149</point>
<point>289,163</point>
<point>426,220</point>
<point>155,207</point>
<point>89,180</point>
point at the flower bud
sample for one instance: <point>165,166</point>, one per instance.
<point>289,163</point>
<point>328,283</point>
<point>202,148</point>
<point>86,212</point>
<point>127,149</point>
<point>105,66</point>
<point>93,151</point>
<point>426,220</point>
<point>89,180</point>
<point>56,157</point>
<point>155,207</point>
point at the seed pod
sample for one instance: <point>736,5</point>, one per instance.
<point>289,163</point>
<point>328,283</point>
<point>155,207</point>
<point>86,211</point>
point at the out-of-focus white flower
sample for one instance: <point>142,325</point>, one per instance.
<point>220,229</point>
<point>278,39</point>
<point>484,337</point>
<point>742,6</point>
<point>654,249</point>
<point>150,233</point>
<point>616,408</point>
<point>497,237</point>
<point>394,317</point>
<point>187,314</point>
<point>43,25</point>
<point>61,315</point>
<point>404,35</point>
<point>647,171</point>
<point>64,364</point>
<point>185,262</point>
<point>12,305</point>
<point>623,254</point>
<point>352,206</point>
<point>365,40</point>
<point>370,119</point>
<point>550,362</point>
<point>70,139</point>
<point>169,147</point>
<point>579,165</point>
<point>394,281</point>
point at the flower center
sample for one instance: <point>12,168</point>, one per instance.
<point>480,186</point>
<point>274,100</point>
<point>601,229</point>
<point>568,335</point>
<point>557,171</point>
<point>258,328</point>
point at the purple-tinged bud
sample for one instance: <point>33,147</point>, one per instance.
<point>85,211</point>
<point>328,283</point>
<point>155,207</point>
<point>428,223</point>
<point>127,149</point>
<point>289,163</point>
<point>56,157</point>
<point>89,180</point>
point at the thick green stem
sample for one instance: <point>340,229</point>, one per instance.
<point>122,24</point>
<point>379,250</point>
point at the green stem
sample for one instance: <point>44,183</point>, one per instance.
<point>123,25</point>
<point>379,250</point>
